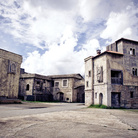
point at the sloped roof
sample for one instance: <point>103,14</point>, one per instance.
<point>29,75</point>
<point>79,83</point>
<point>124,39</point>
<point>77,76</point>
<point>106,52</point>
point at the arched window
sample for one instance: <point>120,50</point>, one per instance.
<point>27,87</point>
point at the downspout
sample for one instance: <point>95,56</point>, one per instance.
<point>92,81</point>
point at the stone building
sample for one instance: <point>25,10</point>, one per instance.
<point>34,87</point>
<point>111,77</point>
<point>9,74</point>
<point>68,88</point>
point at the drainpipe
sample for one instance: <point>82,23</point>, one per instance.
<point>92,81</point>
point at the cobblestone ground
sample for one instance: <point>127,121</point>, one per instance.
<point>74,122</point>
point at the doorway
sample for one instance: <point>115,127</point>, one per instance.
<point>60,96</point>
<point>100,98</point>
<point>115,99</point>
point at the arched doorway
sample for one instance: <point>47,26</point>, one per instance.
<point>100,98</point>
<point>60,96</point>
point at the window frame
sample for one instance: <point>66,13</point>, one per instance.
<point>63,82</point>
<point>132,51</point>
<point>134,72</point>
<point>55,84</point>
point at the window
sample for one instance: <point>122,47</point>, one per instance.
<point>134,71</point>
<point>131,94</point>
<point>38,82</point>
<point>87,84</point>
<point>65,83</point>
<point>27,87</point>
<point>95,95</point>
<point>132,51</point>
<point>56,84</point>
<point>11,67</point>
<point>89,73</point>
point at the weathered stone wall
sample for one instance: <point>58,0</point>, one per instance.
<point>100,87</point>
<point>130,61</point>
<point>9,74</point>
<point>129,81</point>
<point>88,79</point>
<point>37,85</point>
<point>66,90</point>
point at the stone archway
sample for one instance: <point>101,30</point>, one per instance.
<point>60,96</point>
<point>100,98</point>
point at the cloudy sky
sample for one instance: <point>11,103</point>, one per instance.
<point>54,36</point>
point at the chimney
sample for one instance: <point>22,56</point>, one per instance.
<point>98,51</point>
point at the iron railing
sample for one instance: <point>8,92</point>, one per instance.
<point>116,80</point>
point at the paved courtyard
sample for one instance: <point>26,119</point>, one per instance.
<point>65,120</point>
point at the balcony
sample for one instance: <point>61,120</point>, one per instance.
<point>116,77</point>
<point>116,80</point>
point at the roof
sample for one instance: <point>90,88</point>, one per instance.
<point>29,75</point>
<point>77,76</point>
<point>80,83</point>
<point>110,52</point>
<point>124,39</point>
<point>90,57</point>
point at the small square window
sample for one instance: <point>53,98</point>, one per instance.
<point>38,82</point>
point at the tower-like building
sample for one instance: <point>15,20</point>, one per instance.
<point>111,77</point>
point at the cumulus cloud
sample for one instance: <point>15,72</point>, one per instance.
<point>64,32</point>
<point>61,58</point>
<point>121,24</point>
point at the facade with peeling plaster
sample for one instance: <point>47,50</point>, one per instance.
<point>9,74</point>
<point>111,77</point>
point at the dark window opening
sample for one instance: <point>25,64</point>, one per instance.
<point>27,87</point>
<point>38,82</point>
<point>52,84</point>
<point>87,84</point>
<point>89,73</point>
<point>56,84</point>
<point>134,71</point>
<point>131,94</point>
<point>116,77</point>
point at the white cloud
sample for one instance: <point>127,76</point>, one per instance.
<point>121,24</point>
<point>61,59</point>
<point>56,27</point>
